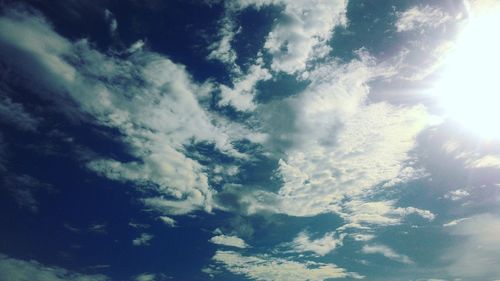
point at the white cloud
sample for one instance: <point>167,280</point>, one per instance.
<point>320,246</point>
<point>222,50</point>
<point>419,17</point>
<point>265,267</point>
<point>168,221</point>
<point>145,277</point>
<point>345,148</point>
<point>305,25</point>
<point>241,95</point>
<point>12,269</point>
<point>149,99</point>
<point>458,194</point>
<point>454,222</point>
<point>299,35</point>
<point>142,240</point>
<point>228,240</point>
<point>386,252</point>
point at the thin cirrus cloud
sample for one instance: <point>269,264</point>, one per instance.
<point>419,17</point>
<point>386,252</point>
<point>13,269</point>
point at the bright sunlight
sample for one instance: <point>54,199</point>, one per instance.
<point>469,90</point>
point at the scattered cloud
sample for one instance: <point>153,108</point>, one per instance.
<point>99,228</point>
<point>241,96</point>
<point>158,117</point>
<point>20,270</point>
<point>420,17</point>
<point>145,277</point>
<point>454,222</point>
<point>386,252</point>
<point>228,240</point>
<point>168,221</point>
<point>458,194</point>
<point>321,246</point>
<point>142,240</point>
<point>263,267</point>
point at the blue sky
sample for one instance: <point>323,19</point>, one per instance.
<point>249,140</point>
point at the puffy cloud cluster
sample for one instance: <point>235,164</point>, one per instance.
<point>150,100</point>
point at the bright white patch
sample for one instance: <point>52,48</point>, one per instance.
<point>469,90</point>
<point>227,240</point>
<point>320,246</point>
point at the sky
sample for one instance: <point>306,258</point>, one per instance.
<point>249,140</point>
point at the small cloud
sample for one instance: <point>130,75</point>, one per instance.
<point>137,46</point>
<point>145,277</point>
<point>168,221</point>
<point>386,252</point>
<point>227,240</point>
<point>110,18</point>
<point>100,228</point>
<point>457,194</point>
<point>454,222</point>
<point>138,225</point>
<point>142,240</point>
<point>320,246</point>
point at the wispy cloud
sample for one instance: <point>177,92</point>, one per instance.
<point>159,115</point>
<point>386,252</point>
<point>320,246</point>
<point>270,268</point>
<point>143,239</point>
<point>419,17</point>
<point>20,270</point>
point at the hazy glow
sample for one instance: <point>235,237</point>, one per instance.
<point>469,90</point>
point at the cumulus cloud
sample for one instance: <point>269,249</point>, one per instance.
<point>386,252</point>
<point>344,148</point>
<point>149,99</point>
<point>143,239</point>
<point>228,240</point>
<point>301,33</point>
<point>419,17</point>
<point>12,269</point>
<point>320,246</point>
<point>263,267</point>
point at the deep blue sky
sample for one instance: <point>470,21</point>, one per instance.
<point>240,140</point>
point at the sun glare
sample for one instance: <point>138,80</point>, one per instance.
<point>469,90</point>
